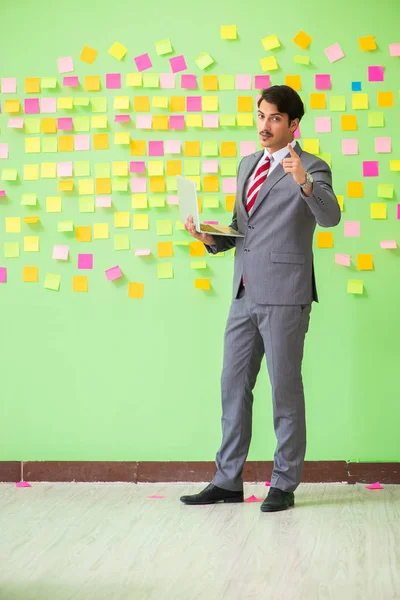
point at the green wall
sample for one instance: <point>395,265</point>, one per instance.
<point>100,376</point>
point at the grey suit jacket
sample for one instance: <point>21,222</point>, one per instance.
<point>275,257</point>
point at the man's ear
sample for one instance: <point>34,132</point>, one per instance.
<point>294,125</point>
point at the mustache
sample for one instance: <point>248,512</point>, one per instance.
<point>265,133</point>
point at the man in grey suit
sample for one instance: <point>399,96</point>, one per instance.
<point>282,192</point>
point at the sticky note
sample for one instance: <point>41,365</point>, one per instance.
<point>164,227</point>
<point>355,286</point>
<point>386,99</point>
<point>13,224</point>
<point>343,259</point>
<point>146,251</point>
<point>52,282</point>
<point>383,144</point>
<point>29,199</point>
<point>350,146</point>
<point>202,284</point>
<point>198,264</point>
<point>60,252</point>
<point>355,189</point>
<point>348,122</point>
<point>388,244</point>
<point>359,101</point>
<point>135,290</point>
<point>322,82</point>
<point>113,81</point>
<point>367,43</point>
<point>53,204</point>
<point>394,165</point>
<point>204,60</point>
<point>394,49</point>
<point>378,210</point>
<point>140,222</point>
<point>376,73</point>
<point>165,270</point>
<point>12,174</point>
<point>65,226</point>
<point>101,231</point>
<point>30,274</point>
<point>385,190</point>
<point>334,53</point>
<point>370,168</point>
<point>118,50</point>
<point>365,262</point>
<point>165,249</point>
<point>163,47</point>
<point>323,124</point>
<point>83,234</point>
<point>178,63</point>
<point>228,32</point>
<point>80,283</point>
<point>65,64</point>
<point>88,55</point>
<point>317,100</point>
<point>311,145</point>
<point>325,239</point>
<point>8,85</point>
<point>375,119</point>
<point>269,63</point>
<point>197,249</point>
<point>143,62</point>
<point>352,229</point>
<point>302,39</point>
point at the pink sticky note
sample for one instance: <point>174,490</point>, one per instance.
<point>143,252</point>
<point>167,81</point>
<point>138,184</point>
<point>113,81</point>
<point>343,259</point>
<point>210,121</point>
<point>143,62</point>
<point>143,121</point>
<point>82,142</point>
<point>2,193</point>
<point>173,146</point>
<point>374,486</point>
<point>253,499</point>
<point>375,74</point>
<point>122,118</point>
<point>103,201</point>
<point>398,211</point>
<point>193,104</point>
<point>229,185</point>
<point>262,82</point>
<point>178,63</point>
<point>322,82</point>
<point>247,148</point>
<point>22,484</point>
<point>113,273</point>
<point>243,82</point>
<point>3,274</point>
<point>383,144</point>
<point>85,261</point>
<point>188,82</point>
<point>48,105</point>
<point>177,122</point>
<point>9,85</point>
<point>172,200</point>
<point>3,150</point>
<point>64,123</point>
<point>64,169</point>
<point>156,148</point>
<point>350,146</point>
<point>389,244</point>
<point>297,133</point>
<point>137,166</point>
<point>155,496</point>
<point>65,64</point>
<point>394,49</point>
<point>334,53</point>
<point>15,123</point>
<point>323,124</point>
<point>31,106</point>
<point>210,166</point>
<point>71,81</point>
<point>60,252</point>
<point>267,483</point>
<point>370,168</point>
<point>352,229</point>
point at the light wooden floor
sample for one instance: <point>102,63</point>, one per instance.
<point>110,542</point>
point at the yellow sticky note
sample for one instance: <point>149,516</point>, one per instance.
<point>194,121</point>
<point>270,42</point>
<point>317,100</point>
<point>269,63</point>
<point>121,242</point>
<point>155,167</point>
<point>165,249</point>
<point>53,204</point>
<point>209,103</point>
<point>245,104</point>
<point>394,165</point>
<point>30,274</point>
<point>197,249</point>
<point>64,226</point>
<point>92,83</point>
<point>355,189</point>
<point>65,103</point>
<point>365,262</point>
<point>135,290</point>
<point>198,264</point>
<point>209,82</point>
<point>31,220</point>
<point>302,39</point>
<point>121,102</point>
<point>160,122</point>
<point>245,120</point>
<point>340,200</point>
<point>165,271</point>
<point>120,169</point>
<point>13,224</point>
<point>48,170</point>
<point>139,201</point>
<point>32,145</point>
<point>159,102</point>
<point>31,243</point>
<point>355,286</point>
<point>348,122</point>
<point>80,283</point>
<point>134,79</point>
<point>31,172</point>
<point>140,222</point>
<point>211,183</point>
<point>86,187</point>
<point>174,167</point>
<point>100,141</point>
<point>367,43</point>
<point>301,60</point>
<point>32,85</point>
<point>99,122</point>
<point>118,51</point>
<point>101,231</point>
<point>11,249</point>
<point>337,103</point>
<point>88,55</point>
<point>228,32</point>
<point>86,204</point>
<point>66,185</point>
<point>311,145</point>
<point>293,81</point>
<point>12,106</point>
<point>177,104</point>
<point>325,239</point>
<point>157,184</point>
<point>376,119</point>
<point>359,101</point>
<point>191,149</point>
<point>11,174</point>
<point>202,284</point>
<point>122,138</point>
<point>52,282</point>
<point>121,219</point>
<point>49,125</point>
<point>141,104</point>
<point>83,234</point>
<point>378,210</point>
<point>65,143</point>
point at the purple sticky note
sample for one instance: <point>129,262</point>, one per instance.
<point>243,82</point>
<point>229,185</point>
<point>178,63</point>
<point>3,274</point>
<point>193,104</point>
<point>22,484</point>
<point>210,121</point>
<point>65,64</point>
<point>370,168</point>
<point>15,123</point>
<point>173,146</point>
<point>60,252</point>
<point>122,118</point>
<point>48,105</point>
<point>64,123</point>
<point>71,81</point>
<point>113,273</point>
<point>3,150</point>
<point>143,62</point>
<point>85,261</point>
<point>343,259</point>
<point>8,85</point>
<point>167,80</point>
<point>210,166</point>
<point>113,81</point>
<point>138,184</point>
<point>103,201</point>
<point>156,148</point>
<point>247,148</point>
<point>394,49</point>
<point>262,82</point>
<point>322,82</point>
<point>64,169</point>
<point>352,229</point>
<point>31,106</point>
<point>82,142</point>
<point>383,144</point>
<point>188,82</point>
<point>334,53</point>
<point>375,74</point>
<point>137,166</point>
<point>350,146</point>
<point>177,122</point>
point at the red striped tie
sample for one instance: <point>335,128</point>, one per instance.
<point>259,178</point>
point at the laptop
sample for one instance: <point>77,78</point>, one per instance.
<point>188,205</point>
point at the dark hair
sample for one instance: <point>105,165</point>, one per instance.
<point>286,99</point>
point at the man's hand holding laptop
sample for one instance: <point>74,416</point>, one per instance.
<point>206,238</point>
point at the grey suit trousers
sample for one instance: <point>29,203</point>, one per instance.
<point>279,332</point>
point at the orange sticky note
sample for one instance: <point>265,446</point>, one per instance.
<point>65,185</point>
<point>209,82</point>
<point>49,125</point>
<point>174,167</point>
<point>367,43</point>
<point>165,249</point>
<point>177,104</point>
<point>103,185</point>
<point>79,283</point>
<point>160,122</point>
<point>30,274</point>
<point>228,149</point>
<point>83,234</point>
<point>245,104</point>
<point>135,290</point>
<point>386,99</point>
<point>325,239</point>
<point>293,81</point>
<point>202,284</point>
<point>100,141</point>
<point>88,55</point>
<point>302,39</point>
<point>355,189</point>
<point>92,83</point>
<point>365,262</point>
<point>211,183</point>
<point>191,149</point>
<point>138,148</point>
<point>141,104</point>
<point>157,184</point>
<point>229,203</point>
<point>348,122</point>
<point>197,249</point>
<point>32,85</point>
<point>65,143</point>
<point>317,100</point>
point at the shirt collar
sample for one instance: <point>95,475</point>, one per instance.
<point>279,154</point>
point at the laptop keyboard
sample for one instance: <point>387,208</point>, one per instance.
<point>205,227</point>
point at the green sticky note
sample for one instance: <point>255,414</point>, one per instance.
<point>165,271</point>
<point>49,83</point>
<point>102,170</point>
<point>210,201</point>
<point>355,286</point>
<point>49,144</point>
<point>81,168</point>
<point>164,227</point>
<point>9,174</point>
<point>226,82</point>
<point>11,249</point>
<point>227,120</point>
<point>29,199</point>
<point>198,264</point>
<point>181,243</point>
<point>204,60</point>
<point>121,241</point>
<point>86,204</point>
<point>151,80</point>
<point>32,125</point>
<point>171,183</point>
<point>119,184</point>
<point>99,105</point>
<point>301,60</point>
<point>191,167</point>
<point>228,168</point>
<point>163,47</point>
<point>81,123</point>
<point>337,103</point>
<point>179,226</point>
<point>385,190</point>
<point>81,101</point>
<point>52,282</point>
<point>210,148</point>
<point>157,201</point>
<point>376,119</point>
<point>64,226</point>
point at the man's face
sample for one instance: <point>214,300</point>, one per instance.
<point>274,129</point>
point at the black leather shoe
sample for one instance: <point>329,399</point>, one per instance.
<point>211,495</point>
<point>277,500</point>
